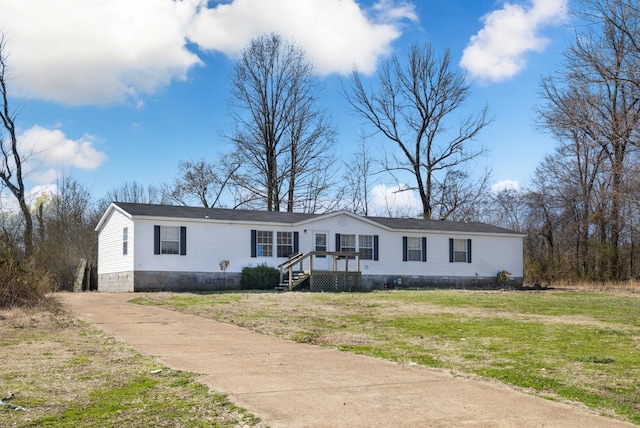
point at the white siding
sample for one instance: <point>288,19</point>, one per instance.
<point>110,257</point>
<point>490,254</point>
<point>207,245</point>
<point>209,242</point>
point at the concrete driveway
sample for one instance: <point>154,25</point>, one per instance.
<point>289,384</point>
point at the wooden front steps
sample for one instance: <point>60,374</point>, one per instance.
<point>297,279</point>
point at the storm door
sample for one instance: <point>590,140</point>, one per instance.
<point>321,243</point>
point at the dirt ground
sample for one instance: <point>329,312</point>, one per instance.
<point>290,384</point>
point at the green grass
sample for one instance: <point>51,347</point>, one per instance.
<point>189,300</point>
<point>68,374</point>
<point>169,399</point>
<point>562,345</point>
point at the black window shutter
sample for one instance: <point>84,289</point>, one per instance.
<point>156,239</point>
<point>375,247</point>
<point>337,242</point>
<point>183,240</point>
<point>296,242</point>
<point>404,249</point>
<point>253,243</point>
<point>424,248</point>
<point>451,259</point>
<point>468,250</point>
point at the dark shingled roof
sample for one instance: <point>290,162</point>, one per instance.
<point>175,211</point>
<point>439,225</point>
<point>212,213</point>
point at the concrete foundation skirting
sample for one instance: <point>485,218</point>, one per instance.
<point>211,281</point>
<point>186,281</point>
<point>116,282</point>
<point>386,282</point>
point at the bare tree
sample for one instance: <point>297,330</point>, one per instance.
<point>11,166</point>
<point>357,180</point>
<point>507,208</point>
<point>133,192</point>
<point>282,138</point>
<point>67,234</point>
<point>459,195</point>
<point>411,107</point>
<point>202,181</point>
<point>593,107</point>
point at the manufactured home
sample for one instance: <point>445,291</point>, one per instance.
<point>144,247</point>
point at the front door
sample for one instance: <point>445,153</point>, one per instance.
<point>321,243</point>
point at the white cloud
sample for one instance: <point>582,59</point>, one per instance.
<point>96,52</point>
<point>51,148</point>
<point>45,154</point>
<point>336,34</point>
<point>505,185</point>
<point>9,204</point>
<point>395,200</point>
<point>48,175</point>
<point>81,52</point>
<point>499,50</point>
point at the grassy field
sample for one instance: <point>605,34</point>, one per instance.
<point>65,373</point>
<point>575,346</point>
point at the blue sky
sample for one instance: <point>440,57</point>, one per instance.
<point>121,91</point>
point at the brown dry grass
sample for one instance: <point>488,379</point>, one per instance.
<point>631,286</point>
<point>67,373</point>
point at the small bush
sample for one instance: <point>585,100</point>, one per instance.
<point>261,277</point>
<point>22,283</point>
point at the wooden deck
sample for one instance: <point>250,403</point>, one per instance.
<point>299,270</point>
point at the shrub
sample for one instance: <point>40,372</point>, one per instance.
<point>503,276</point>
<point>22,283</point>
<point>261,277</point>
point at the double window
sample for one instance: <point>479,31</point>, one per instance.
<point>262,243</point>
<point>367,245</point>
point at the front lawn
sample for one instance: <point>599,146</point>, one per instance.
<point>578,346</point>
